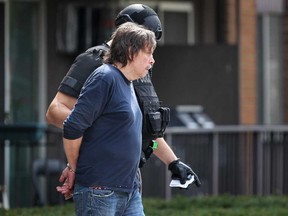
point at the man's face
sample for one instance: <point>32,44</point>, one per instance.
<point>143,62</point>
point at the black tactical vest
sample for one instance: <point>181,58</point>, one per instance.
<point>155,117</point>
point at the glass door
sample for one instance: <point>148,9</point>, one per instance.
<point>23,52</point>
<point>2,15</point>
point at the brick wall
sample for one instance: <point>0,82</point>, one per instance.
<point>247,62</point>
<point>241,30</point>
<point>231,22</point>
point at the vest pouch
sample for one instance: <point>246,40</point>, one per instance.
<point>155,121</point>
<point>165,118</point>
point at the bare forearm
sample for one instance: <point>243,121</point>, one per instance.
<point>57,114</point>
<point>59,109</point>
<point>164,152</point>
<point>71,148</point>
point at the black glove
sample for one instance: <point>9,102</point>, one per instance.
<point>182,171</point>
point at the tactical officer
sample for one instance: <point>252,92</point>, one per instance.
<point>155,117</point>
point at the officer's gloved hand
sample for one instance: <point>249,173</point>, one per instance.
<point>182,171</point>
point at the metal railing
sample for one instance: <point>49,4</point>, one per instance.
<point>237,160</point>
<point>33,160</point>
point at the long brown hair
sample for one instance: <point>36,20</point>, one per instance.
<point>127,40</point>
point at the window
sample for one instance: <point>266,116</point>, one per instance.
<point>177,22</point>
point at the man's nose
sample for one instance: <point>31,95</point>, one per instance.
<point>152,60</point>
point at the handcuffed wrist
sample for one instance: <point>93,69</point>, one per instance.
<point>70,168</point>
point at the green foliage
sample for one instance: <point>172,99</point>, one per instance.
<point>183,206</point>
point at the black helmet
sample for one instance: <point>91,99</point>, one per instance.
<point>142,15</point>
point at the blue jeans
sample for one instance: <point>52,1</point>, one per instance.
<point>94,202</point>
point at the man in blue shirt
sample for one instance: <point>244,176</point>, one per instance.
<point>85,64</point>
<point>103,133</point>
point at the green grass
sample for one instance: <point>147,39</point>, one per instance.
<point>183,206</point>
<point>219,206</point>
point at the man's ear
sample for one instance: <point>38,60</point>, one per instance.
<point>130,54</point>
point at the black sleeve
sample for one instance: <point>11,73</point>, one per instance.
<point>80,70</point>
